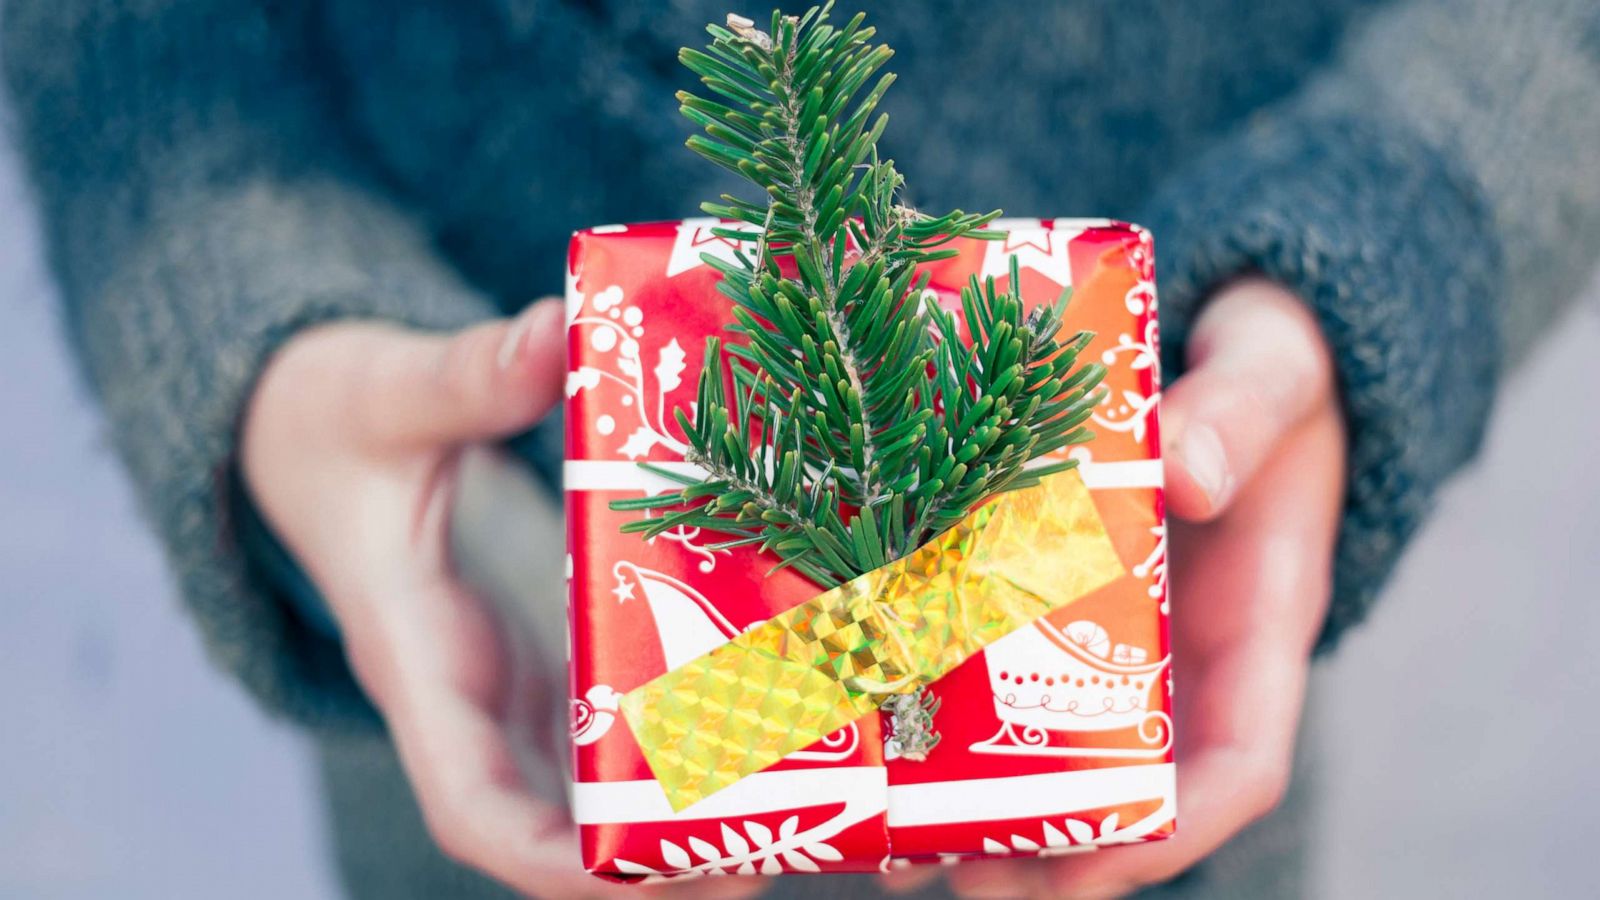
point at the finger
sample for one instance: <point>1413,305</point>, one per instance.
<point>909,879</point>
<point>1242,639</point>
<point>479,813</point>
<point>1243,647</point>
<point>1257,366</point>
<point>468,788</point>
<point>435,670</point>
<point>489,381</point>
<point>478,810</point>
<point>997,878</point>
<point>1226,780</point>
<point>443,696</point>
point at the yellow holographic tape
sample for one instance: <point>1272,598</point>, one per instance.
<point>800,675</point>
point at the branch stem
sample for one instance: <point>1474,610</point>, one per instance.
<point>805,201</point>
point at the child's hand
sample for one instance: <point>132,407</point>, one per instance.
<point>350,448</point>
<point>1256,452</point>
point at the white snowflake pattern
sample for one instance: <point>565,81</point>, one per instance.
<point>1130,411</point>
<point>1154,567</point>
<point>1074,836</point>
<point>756,850</point>
<point>614,330</point>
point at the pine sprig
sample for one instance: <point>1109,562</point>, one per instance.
<point>846,422</point>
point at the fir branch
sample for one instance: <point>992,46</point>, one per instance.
<point>847,422</point>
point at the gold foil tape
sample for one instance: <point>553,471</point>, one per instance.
<point>782,685</point>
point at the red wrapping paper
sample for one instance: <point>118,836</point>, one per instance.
<point>1055,737</point>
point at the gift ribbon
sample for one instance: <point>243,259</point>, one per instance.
<point>787,682</point>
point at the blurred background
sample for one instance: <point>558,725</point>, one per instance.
<point>1461,730</point>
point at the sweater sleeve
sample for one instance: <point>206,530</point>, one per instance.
<point>1432,197</point>
<point>201,207</point>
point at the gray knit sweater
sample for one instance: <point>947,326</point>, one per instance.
<point>215,174</point>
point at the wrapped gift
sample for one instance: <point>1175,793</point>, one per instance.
<point>1056,731</point>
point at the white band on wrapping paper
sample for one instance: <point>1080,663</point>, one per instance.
<point>1025,796</point>
<point>622,475</point>
<point>933,803</point>
<point>603,802</point>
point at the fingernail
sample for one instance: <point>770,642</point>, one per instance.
<point>1207,463</point>
<point>516,337</point>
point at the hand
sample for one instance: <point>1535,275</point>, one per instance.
<point>350,449</point>
<point>1255,452</point>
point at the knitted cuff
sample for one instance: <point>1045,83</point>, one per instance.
<point>175,344</point>
<point>1394,252</point>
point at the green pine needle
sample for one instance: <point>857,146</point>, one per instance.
<point>846,423</point>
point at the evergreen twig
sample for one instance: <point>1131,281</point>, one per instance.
<point>847,422</point>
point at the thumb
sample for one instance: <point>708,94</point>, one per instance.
<point>488,381</point>
<point>1258,365</point>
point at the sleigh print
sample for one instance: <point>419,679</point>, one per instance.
<point>687,626</point>
<point>1049,683</point>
